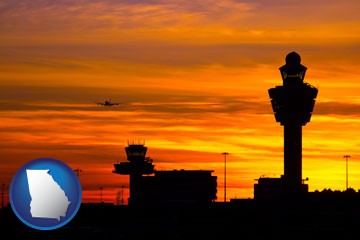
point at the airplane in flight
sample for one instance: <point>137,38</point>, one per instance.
<point>107,103</point>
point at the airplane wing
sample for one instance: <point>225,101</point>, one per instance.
<point>107,103</point>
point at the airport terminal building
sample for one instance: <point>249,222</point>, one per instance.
<point>165,187</point>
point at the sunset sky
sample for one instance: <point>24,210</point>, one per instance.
<point>192,77</point>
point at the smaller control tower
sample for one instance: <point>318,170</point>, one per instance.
<point>164,187</point>
<point>138,165</point>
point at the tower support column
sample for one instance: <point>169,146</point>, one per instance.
<point>293,153</point>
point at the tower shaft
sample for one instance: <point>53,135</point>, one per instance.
<point>293,153</point>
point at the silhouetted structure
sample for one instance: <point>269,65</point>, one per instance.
<point>347,170</point>
<point>178,187</point>
<point>136,167</point>
<point>78,171</point>
<point>164,187</point>
<point>2,195</point>
<point>225,154</point>
<point>292,103</point>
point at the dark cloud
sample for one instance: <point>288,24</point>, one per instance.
<point>25,98</point>
<point>18,98</point>
<point>77,56</point>
<point>337,108</point>
<point>151,56</point>
<point>63,16</point>
<point>192,21</point>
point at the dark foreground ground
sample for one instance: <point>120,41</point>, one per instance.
<point>320,218</point>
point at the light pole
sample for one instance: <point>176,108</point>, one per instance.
<point>122,194</point>
<point>347,172</point>
<point>78,170</point>
<point>101,188</point>
<point>2,195</point>
<point>225,154</point>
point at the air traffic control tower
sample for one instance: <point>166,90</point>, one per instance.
<point>138,165</point>
<point>293,104</point>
